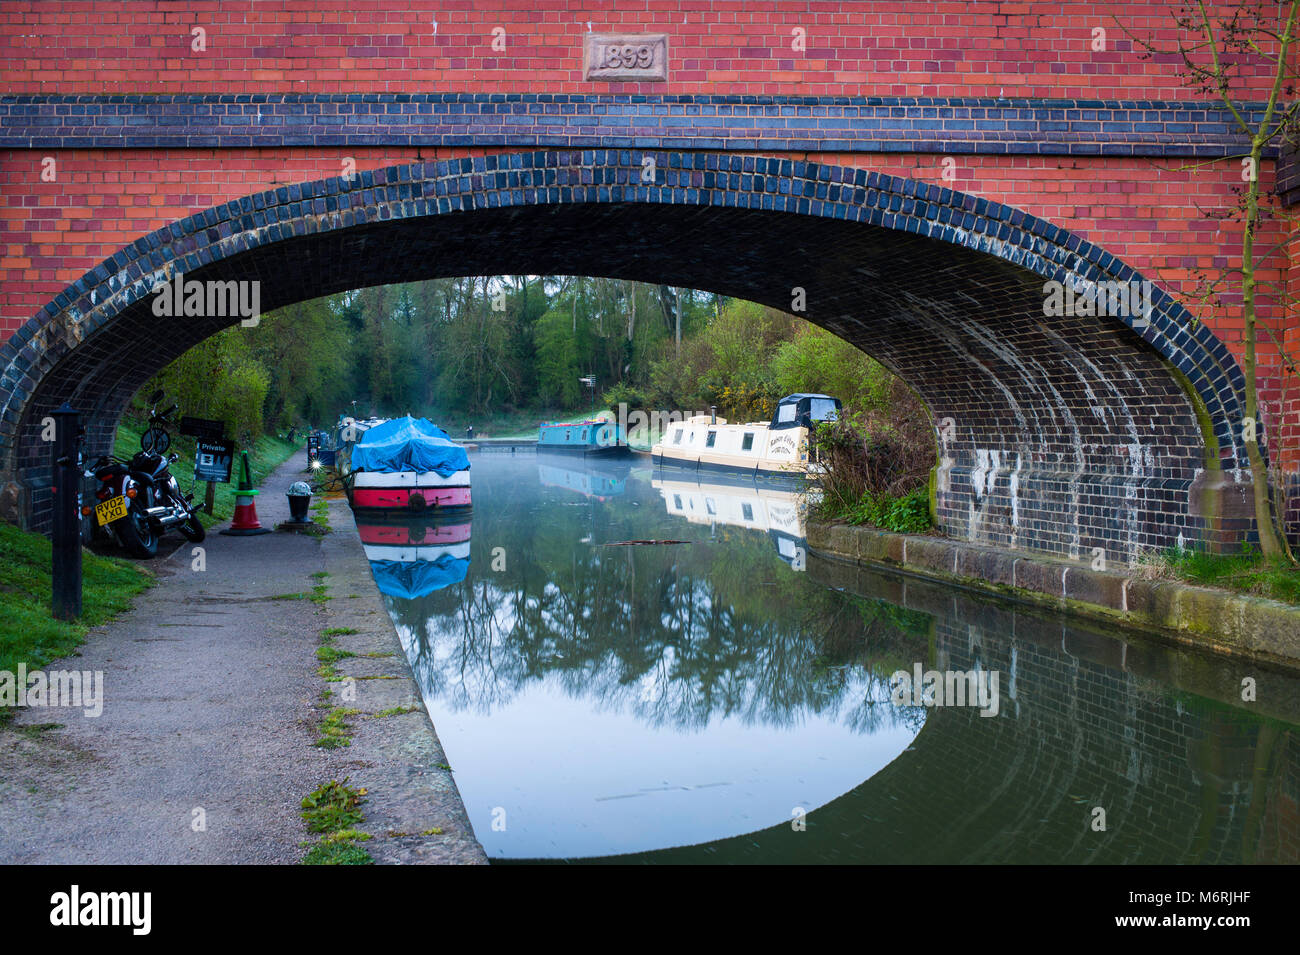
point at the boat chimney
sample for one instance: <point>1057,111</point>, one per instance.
<point>713,414</point>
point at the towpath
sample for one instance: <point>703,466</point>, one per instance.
<point>212,705</point>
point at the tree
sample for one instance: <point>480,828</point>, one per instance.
<point>557,361</point>
<point>816,360</point>
<point>1211,51</point>
<point>219,378</point>
<point>307,348</point>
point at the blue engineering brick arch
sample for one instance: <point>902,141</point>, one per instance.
<point>1067,433</point>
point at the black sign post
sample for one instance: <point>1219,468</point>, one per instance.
<point>203,428</point>
<point>65,590</point>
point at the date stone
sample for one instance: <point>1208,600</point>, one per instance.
<point>625,56</point>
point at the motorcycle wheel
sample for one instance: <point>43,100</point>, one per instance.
<point>136,533</point>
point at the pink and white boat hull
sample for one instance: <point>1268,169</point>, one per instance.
<point>402,498</point>
<point>410,491</point>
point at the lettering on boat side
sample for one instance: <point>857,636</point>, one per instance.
<point>781,444</point>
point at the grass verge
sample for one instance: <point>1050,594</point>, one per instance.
<point>1248,572</point>
<point>30,635</point>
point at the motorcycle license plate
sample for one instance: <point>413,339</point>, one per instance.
<point>111,510</point>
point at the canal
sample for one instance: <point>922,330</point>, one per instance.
<point>626,668</point>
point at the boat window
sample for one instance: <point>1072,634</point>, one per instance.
<point>583,435</point>
<point>677,436</point>
<point>677,500</point>
<point>713,436</point>
<point>709,506</point>
<point>747,511</point>
<point>785,413</point>
<point>748,443</point>
<point>823,409</point>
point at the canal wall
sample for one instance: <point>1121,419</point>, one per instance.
<point>413,810</point>
<point>1215,619</point>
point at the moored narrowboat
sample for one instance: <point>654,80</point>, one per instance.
<point>595,436</point>
<point>775,448</point>
<point>404,465</point>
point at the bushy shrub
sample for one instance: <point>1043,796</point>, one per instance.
<point>908,514</point>
<point>876,473</point>
<point>623,393</point>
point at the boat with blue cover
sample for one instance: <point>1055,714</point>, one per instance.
<point>404,465</point>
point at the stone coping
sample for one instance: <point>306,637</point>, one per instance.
<point>1208,617</point>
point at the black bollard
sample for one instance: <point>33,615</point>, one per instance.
<point>66,540</point>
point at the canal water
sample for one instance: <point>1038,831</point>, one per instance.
<point>626,665</point>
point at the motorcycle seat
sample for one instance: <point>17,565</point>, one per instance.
<point>150,463</point>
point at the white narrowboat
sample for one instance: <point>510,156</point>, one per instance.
<point>778,447</point>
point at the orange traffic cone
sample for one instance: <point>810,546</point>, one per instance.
<point>245,523</point>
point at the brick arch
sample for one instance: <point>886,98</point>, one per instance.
<point>1066,433</point>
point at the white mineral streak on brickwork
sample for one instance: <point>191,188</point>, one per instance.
<point>1034,377</point>
<point>950,332</point>
<point>1013,491</point>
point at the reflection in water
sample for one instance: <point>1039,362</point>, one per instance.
<point>764,505</point>
<point>688,703</point>
<point>411,559</point>
<point>606,477</point>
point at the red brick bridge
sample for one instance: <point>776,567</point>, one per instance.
<point>918,170</point>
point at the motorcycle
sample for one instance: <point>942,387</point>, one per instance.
<point>139,499</point>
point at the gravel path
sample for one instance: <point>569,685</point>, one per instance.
<point>211,703</point>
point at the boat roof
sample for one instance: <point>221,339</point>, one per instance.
<point>804,394</point>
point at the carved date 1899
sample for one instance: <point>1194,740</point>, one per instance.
<point>625,56</point>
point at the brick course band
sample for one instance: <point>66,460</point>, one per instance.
<point>967,125</point>
<point>1070,432</point>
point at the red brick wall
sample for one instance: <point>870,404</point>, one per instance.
<point>1145,214</point>
<point>103,199</point>
<point>853,48</point>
